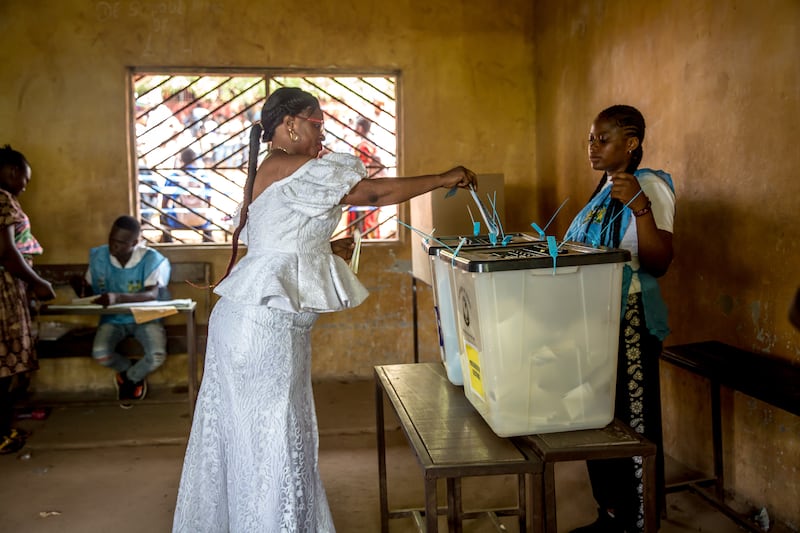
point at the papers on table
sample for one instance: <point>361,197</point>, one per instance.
<point>87,302</point>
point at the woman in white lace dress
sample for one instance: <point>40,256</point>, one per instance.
<point>251,463</point>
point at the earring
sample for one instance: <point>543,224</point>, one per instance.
<point>630,152</point>
<point>293,136</point>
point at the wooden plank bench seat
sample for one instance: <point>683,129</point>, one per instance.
<point>761,376</point>
<point>77,342</point>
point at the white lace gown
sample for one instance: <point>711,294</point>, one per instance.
<point>251,463</point>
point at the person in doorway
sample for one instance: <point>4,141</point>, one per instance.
<point>17,248</point>
<point>633,209</point>
<point>123,271</point>
<point>251,461</point>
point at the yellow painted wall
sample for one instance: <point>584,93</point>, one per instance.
<point>718,85</point>
<point>503,87</point>
<point>466,90</point>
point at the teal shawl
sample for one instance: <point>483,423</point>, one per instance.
<point>603,222</point>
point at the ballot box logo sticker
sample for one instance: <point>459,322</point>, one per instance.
<point>463,297</point>
<point>468,316</point>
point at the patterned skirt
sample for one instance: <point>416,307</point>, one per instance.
<point>17,346</point>
<point>617,483</point>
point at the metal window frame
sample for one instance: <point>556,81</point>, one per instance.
<point>267,75</point>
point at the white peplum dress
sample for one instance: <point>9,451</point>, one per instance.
<point>251,462</point>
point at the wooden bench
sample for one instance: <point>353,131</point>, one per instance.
<point>614,441</point>
<point>760,376</point>
<point>188,337</point>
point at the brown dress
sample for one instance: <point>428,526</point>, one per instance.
<point>17,346</point>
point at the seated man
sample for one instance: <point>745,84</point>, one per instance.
<point>123,271</point>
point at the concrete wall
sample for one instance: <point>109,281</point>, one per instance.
<point>718,85</point>
<point>64,106</point>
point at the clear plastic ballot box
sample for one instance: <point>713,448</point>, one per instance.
<point>539,344</point>
<point>443,297</point>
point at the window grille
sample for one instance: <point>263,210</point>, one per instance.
<point>191,133</point>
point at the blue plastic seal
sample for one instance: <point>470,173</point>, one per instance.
<point>552,247</point>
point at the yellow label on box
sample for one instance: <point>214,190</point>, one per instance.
<point>474,360</point>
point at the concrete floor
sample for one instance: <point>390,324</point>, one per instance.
<point>91,467</point>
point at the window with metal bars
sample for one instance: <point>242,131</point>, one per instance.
<point>191,132</point>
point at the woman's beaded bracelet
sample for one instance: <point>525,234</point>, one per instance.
<point>643,211</point>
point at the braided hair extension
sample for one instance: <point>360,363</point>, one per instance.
<point>631,121</point>
<point>284,101</point>
<point>12,158</point>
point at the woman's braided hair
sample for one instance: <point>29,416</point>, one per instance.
<point>631,121</point>
<point>285,101</point>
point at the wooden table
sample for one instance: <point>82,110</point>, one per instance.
<point>187,309</point>
<point>450,440</point>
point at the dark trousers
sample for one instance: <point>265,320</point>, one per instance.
<point>617,483</point>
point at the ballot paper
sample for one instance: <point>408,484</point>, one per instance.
<point>354,259</point>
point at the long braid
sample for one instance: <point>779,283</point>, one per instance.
<point>252,167</point>
<point>284,101</point>
<point>631,121</point>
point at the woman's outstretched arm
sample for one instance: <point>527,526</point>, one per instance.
<point>389,191</point>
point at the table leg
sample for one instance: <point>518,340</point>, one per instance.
<point>384,499</point>
<point>431,507</point>
<point>716,435</point>
<point>522,503</point>
<point>454,511</point>
<point>534,499</point>
<point>549,497</point>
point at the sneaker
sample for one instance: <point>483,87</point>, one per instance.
<point>134,391</point>
<point>11,444</point>
<point>123,386</point>
<point>139,390</point>
<point>605,523</point>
